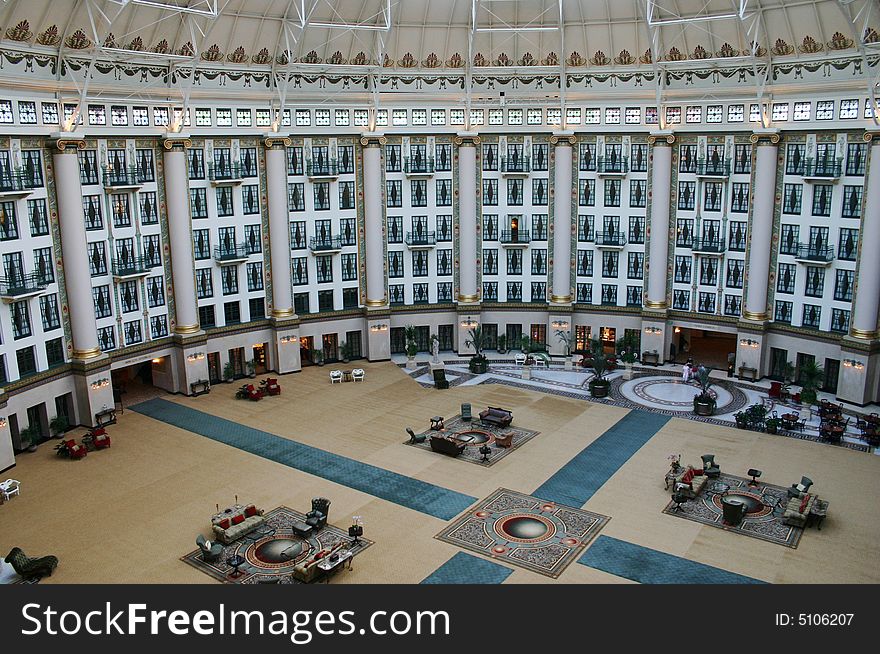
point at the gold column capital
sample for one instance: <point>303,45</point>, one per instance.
<point>171,143</point>
<point>661,139</point>
<point>373,140</point>
<point>762,138</point>
<point>563,139</point>
<point>272,141</point>
<point>466,140</point>
<point>70,145</point>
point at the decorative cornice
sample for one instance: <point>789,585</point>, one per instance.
<point>70,145</point>
<point>273,141</point>
<point>171,143</point>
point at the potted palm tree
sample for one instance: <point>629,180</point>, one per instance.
<point>502,344</point>
<point>345,349</point>
<point>565,338</point>
<point>627,348</point>
<point>772,425</point>
<point>29,437</point>
<point>229,372</point>
<point>599,384</point>
<point>318,356</point>
<point>478,364</point>
<point>704,401</point>
<point>412,347</point>
<point>811,375</point>
<point>58,425</point>
<point>524,342</point>
<point>251,368</point>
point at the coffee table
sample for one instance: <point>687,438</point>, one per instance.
<point>346,375</point>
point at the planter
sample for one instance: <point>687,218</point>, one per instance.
<point>599,388</point>
<point>410,363</point>
<point>478,367</point>
<point>704,407</point>
<point>32,448</point>
<point>526,372</point>
<point>569,364</point>
<point>650,358</point>
<point>627,371</point>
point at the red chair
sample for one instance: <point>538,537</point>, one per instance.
<point>775,390</point>
<point>75,450</point>
<point>272,386</point>
<point>100,438</point>
<point>254,394</point>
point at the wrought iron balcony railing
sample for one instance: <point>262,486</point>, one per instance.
<point>421,238</point>
<point>17,285</point>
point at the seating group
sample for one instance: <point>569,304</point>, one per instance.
<point>268,386</point>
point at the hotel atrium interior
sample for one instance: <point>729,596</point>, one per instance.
<point>574,291</point>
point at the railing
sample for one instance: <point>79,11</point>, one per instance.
<point>21,284</point>
<point>328,168</point>
<point>515,236</point>
<point>611,238</point>
<point>14,181</point>
<point>129,176</point>
<point>619,165</point>
<point>131,266</point>
<point>813,253</point>
<point>421,238</point>
<point>823,168</point>
<point>713,168</point>
<point>423,166</point>
<point>709,245</point>
<point>230,171</point>
<point>518,165</point>
<point>230,253</point>
<point>327,243</point>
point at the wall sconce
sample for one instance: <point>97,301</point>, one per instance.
<point>748,342</point>
<point>2,423</point>
<point>677,330</point>
<point>469,323</point>
<point>559,324</point>
<point>381,327</point>
<point>852,363</point>
<point>653,330</point>
<point>159,360</point>
<point>286,340</point>
<point>195,356</point>
<point>100,383</point>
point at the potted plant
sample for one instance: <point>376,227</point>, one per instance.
<point>412,347</point>
<point>502,344</point>
<point>787,377</point>
<point>478,364</point>
<point>318,357</point>
<point>704,402</point>
<point>229,372</point>
<point>524,343</point>
<point>251,368</point>
<point>30,436</point>
<point>772,425</point>
<point>811,375</point>
<point>345,350</point>
<point>565,338</point>
<point>598,385</point>
<point>58,425</point>
<point>742,419</point>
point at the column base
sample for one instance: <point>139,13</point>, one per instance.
<point>859,371</point>
<point>378,321</point>
<point>93,387</point>
<point>286,351</point>
<point>751,344</point>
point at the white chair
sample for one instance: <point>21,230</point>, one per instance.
<point>9,488</point>
<point>519,359</point>
<point>335,376</point>
<point>357,374</point>
<point>539,362</point>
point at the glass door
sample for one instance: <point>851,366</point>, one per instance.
<point>538,334</point>
<point>260,358</point>
<point>331,347</point>
<point>306,345</point>
<point>832,371</point>
<point>445,334</point>
<point>514,336</point>
<point>214,369</point>
<point>778,359</point>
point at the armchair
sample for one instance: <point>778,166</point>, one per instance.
<point>272,386</point>
<point>733,511</point>
<point>795,490</point>
<point>254,394</point>
<point>100,438</point>
<point>210,551</point>
<point>335,376</point>
<point>317,517</point>
<point>413,438</point>
<point>440,380</point>
<point>75,450</point>
<point>711,469</point>
<point>358,374</point>
<point>31,567</point>
<point>466,411</point>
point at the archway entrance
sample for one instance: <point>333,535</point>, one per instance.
<point>707,347</point>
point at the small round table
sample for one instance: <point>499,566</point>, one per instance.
<point>236,561</point>
<point>437,423</point>
<point>346,375</point>
<point>720,488</point>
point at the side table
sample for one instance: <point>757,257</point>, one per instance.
<point>817,513</point>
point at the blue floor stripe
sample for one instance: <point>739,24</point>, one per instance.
<point>414,494</point>
<point>580,478</point>
<point>648,566</point>
<point>468,569</point>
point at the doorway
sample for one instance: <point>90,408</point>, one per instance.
<point>260,366</point>
<point>608,337</point>
<point>331,347</point>
<point>135,383</point>
<point>538,334</point>
<point>832,372</point>
<point>306,345</point>
<point>236,358</point>
<point>38,418</point>
<point>778,361</point>
<point>705,347</point>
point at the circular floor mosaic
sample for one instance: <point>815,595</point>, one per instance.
<point>671,394</point>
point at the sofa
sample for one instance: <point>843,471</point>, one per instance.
<point>307,571</point>
<point>693,481</point>
<point>446,445</point>
<point>797,510</point>
<point>30,567</point>
<point>496,416</point>
<point>233,526</point>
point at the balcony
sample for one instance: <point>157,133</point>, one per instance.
<point>14,185</point>
<point>610,240</point>
<point>515,167</point>
<point>421,240</point>
<point>418,167</point>
<point>118,179</point>
<point>612,166</point>
<point>325,245</point>
<point>131,267</point>
<point>714,246</point>
<point>515,238</point>
<point>231,254</point>
<point>225,175</point>
<point>823,171</point>
<point>817,256</point>
<point>21,286</point>
<point>718,168</point>
<point>322,169</point>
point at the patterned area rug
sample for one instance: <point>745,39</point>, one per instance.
<point>477,434</point>
<point>271,552</point>
<point>765,505</point>
<point>543,537</point>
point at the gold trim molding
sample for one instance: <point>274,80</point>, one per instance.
<point>469,298</point>
<point>751,315</point>
<point>377,303</point>
<point>560,299</point>
<point>186,329</point>
<point>863,334</point>
<point>466,141</point>
<point>654,304</point>
<point>84,355</point>
<point>566,139</point>
<point>660,139</point>
<point>171,143</point>
<point>271,141</point>
<point>68,145</point>
<point>373,141</point>
<point>772,138</point>
<point>282,313</point>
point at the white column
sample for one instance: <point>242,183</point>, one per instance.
<point>180,236</point>
<point>561,292</point>
<point>658,252</point>
<point>761,229</point>
<point>467,217</point>
<point>279,226</point>
<point>374,234</point>
<point>867,299</point>
<point>74,251</point>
